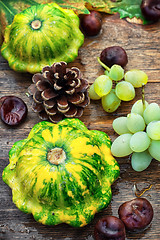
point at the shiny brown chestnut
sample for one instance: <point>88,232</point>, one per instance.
<point>109,227</point>
<point>91,24</point>
<point>136,214</point>
<point>151,9</point>
<point>13,110</point>
<point>114,55</point>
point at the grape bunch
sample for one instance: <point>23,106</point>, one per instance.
<point>115,86</point>
<point>139,135</point>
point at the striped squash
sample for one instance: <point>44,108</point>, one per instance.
<point>62,172</point>
<point>41,35</point>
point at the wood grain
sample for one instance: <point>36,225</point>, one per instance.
<point>142,44</point>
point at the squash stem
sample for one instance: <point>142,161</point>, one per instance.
<point>56,156</point>
<point>36,24</point>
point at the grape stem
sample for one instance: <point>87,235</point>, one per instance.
<point>143,96</point>
<point>102,64</point>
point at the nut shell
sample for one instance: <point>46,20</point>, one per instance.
<point>13,110</point>
<point>136,214</point>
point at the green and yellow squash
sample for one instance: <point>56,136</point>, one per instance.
<point>41,35</point>
<point>62,172</point>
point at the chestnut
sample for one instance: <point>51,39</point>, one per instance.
<point>109,227</point>
<point>13,110</point>
<point>151,9</point>
<point>91,24</point>
<point>136,214</point>
<point>1,100</point>
<point>114,55</point>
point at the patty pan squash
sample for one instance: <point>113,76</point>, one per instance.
<point>41,35</point>
<point>62,172</point>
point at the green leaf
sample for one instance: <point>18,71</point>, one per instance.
<point>128,8</point>
<point>8,9</point>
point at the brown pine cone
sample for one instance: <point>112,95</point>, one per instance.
<point>59,92</point>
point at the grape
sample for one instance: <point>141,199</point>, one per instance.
<point>140,160</point>
<point>153,130</point>
<point>139,141</point>
<point>125,91</point>
<point>92,94</point>
<point>110,102</point>
<point>120,125</point>
<point>135,122</point>
<point>154,149</point>
<point>139,107</point>
<point>116,72</point>
<point>136,77</point>
<point>102,85</point>
<point>121,146</point>
<point>151,113</point>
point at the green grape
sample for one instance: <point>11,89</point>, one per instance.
<point>154,149</point>
<point>120,125</point>
<point>102,85</point>
<point>140,160</point>
<point>135,122</point>
<point>139,107</point>
<point>116,72</point>
<point>139,142</point>
<point>153,130</point>
<point>125,91</point>
<point>136,77</point>
<point>110,102</point>
<point>121,146</point>
<point>151,113</point>
<point>92,94</point>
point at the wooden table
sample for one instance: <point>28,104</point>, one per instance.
<point>142,44</point>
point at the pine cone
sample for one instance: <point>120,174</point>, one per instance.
<point>59,92</point>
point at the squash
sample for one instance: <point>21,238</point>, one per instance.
<point>9,8</point>
<point>41,35</point>
<point>62,172</point>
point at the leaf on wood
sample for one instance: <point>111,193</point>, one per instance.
<point>128,8</point>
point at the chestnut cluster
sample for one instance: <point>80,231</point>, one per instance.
<point>134,216</point>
